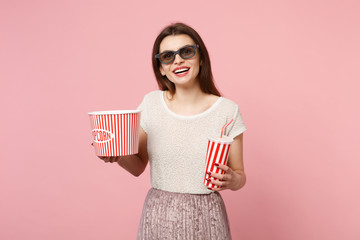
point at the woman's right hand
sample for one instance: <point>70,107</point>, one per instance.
<point>109,159</point>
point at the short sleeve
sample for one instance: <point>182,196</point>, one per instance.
<point>238,126</point>
<point>143,116</point>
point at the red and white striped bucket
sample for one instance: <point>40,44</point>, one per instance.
<point>217,152</point>
<point>115,133</point>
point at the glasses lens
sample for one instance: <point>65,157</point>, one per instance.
<point>187,52</point>
<point>166,57</point>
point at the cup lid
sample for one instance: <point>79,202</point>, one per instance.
<point>224,139</point>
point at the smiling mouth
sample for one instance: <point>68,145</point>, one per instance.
<point>180,71</point>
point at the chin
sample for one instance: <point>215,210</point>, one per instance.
<point>184,83</point>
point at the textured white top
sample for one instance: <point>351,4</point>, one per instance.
<point>177,144</point>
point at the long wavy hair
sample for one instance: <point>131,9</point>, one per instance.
<point>205,76</point>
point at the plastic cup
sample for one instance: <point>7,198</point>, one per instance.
<point>115,133</point>
<point>217,152</point>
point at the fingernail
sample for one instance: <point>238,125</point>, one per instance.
<point>216,164</point>
<point>209,188</point>
<point>209,173</point>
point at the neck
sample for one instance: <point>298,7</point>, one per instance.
<point>187,96</point>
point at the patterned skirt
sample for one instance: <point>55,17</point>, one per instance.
<point>168,215</point>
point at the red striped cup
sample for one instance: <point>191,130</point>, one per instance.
<point>217,152</point>
<point>115,133</point>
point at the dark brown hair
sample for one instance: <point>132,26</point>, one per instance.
<point>205,76</point>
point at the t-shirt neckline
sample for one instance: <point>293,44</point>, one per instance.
<point>190,116</point>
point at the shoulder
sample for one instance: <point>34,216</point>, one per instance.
<point>229,107</point>
<point>153,95</point>
<point>227,103</point>
<point>151,100</point>
<point>232,111</point>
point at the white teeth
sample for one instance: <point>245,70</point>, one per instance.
<point>181,70</point>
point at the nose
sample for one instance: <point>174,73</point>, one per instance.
<point>178,59</point>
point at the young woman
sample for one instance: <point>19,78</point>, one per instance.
<point>176,123</point>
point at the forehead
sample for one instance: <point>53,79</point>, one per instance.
<point>174,42</point>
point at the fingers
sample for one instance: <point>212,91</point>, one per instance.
<point>222,166</point>
<point>222,181</point>
<point>217,182</point>
<point>218,175</point>
<point>108,159</point>
<point>217,189</point>
<point>225,176</point>
<point>113,159</point>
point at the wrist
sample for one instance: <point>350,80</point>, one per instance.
<point>240,181</point>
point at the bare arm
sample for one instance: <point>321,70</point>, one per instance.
<point>236,162</point>
<point>134,164</point>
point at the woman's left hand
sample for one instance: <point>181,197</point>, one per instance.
<point>229,180</point>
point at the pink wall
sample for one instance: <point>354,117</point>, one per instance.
<point>292,66</point>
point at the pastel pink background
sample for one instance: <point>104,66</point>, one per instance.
<point>292,66</point>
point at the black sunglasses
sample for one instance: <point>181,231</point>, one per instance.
<point>185,52</point>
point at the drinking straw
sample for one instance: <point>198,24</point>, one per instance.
<point>222,130</point>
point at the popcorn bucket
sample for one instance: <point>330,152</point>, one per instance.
<point>217,152</point>
<point>115,133</point>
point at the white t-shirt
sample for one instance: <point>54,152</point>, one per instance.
<point>177,144</point>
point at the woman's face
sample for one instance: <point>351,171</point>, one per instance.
<point>182,72</point>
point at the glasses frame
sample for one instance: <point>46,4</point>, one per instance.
<point>195,46</point>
